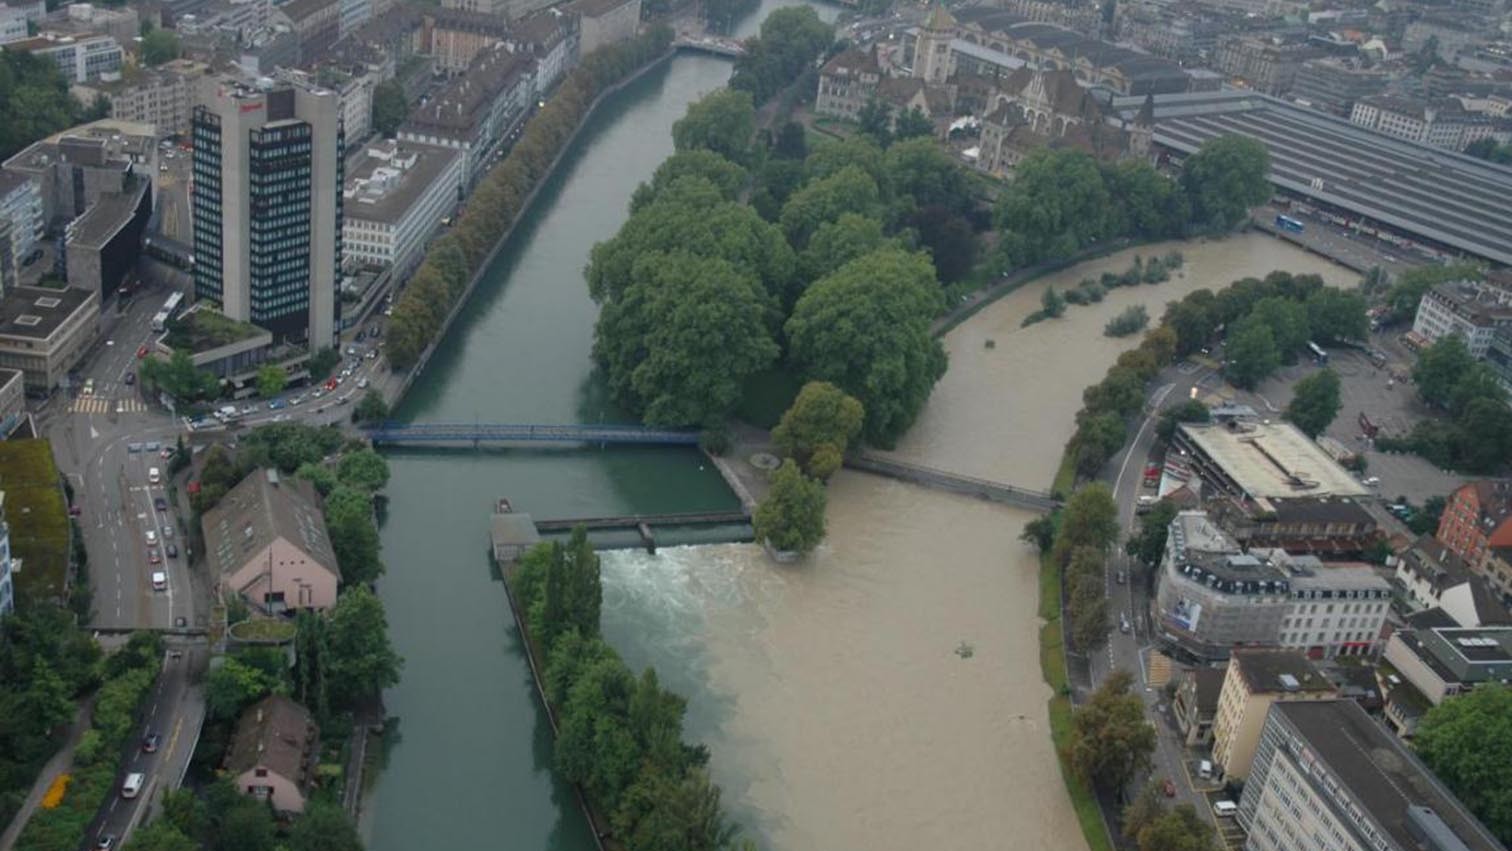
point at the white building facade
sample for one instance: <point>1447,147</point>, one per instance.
<point>396,202</point>
<point>21,205</point>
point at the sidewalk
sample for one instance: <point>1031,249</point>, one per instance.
<point>60,761</point>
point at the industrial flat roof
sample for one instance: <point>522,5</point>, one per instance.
<point>1378,772</point>
<point>1273,460</point>
<point>391,206</point>
<point>36,312</point>
<point>1442,196</point>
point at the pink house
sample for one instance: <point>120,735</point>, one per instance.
<point>267,541</point>
<point>274,753</point>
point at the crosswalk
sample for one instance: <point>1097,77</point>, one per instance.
<point>101,405</point>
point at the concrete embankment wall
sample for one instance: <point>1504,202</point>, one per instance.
<point>525,207</point>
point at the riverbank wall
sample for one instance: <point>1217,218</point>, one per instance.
<point>414,372</point>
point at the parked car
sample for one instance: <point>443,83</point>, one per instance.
<point>1169,788</point>
<point>142,351</point>
<point>296,400</point>
<point>275,404</point>
<point>130,379</point>
<point>152,446</point>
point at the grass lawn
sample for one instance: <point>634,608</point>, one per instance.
<point>37,515</point>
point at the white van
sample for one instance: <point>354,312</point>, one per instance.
<point>1205,770</point>
<point>159,581</point>
<point>133,784</point>
<point>1225,809</point>
<point>154,475</point>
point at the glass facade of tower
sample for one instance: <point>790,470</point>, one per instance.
<point>208,270</point>
<point>279,195</point>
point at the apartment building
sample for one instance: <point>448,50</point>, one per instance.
<point>1257,679</point>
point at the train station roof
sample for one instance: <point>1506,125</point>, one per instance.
<point>1439,195</point>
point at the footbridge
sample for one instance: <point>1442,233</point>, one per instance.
<point>646,524</point>
<point>953,482</point>
<point>716,45</point>
<point>475,434</point>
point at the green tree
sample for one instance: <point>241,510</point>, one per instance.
<point>948,238</point>
<point>875,122</point>
<point>790,41</point>
<point>1224,179</point>
<point>662,812</point>
<point>722,121</point>
<point>865,329</point>
<point>1484,436</point>
<point>821,416</point>
<point>233,686</point>
<point>159,46</point>
<point>1316,402</point>
<point>1180,829</point>
<point>1488,149</point>
<point>1337,316</point>
<point>1111,740</point>
<point>1194,319</point>
<point>1147,807</point>
<point>363,469</point>
<point>179,377</point>
<point>34,101</point>
<point>1467,742</point>
<point>354,537</point>
<point>913,124</point>
<point>1288,324</point>
<point>1040,532</point>
<point>826,199</point>
<point>681,341</point>
<point>1090,519</point>
<point>1089,616</point>
<point>247,826</point>
<point>1149,204</point>
<point>371,408</point>
<point>324,827</point>
<point>836,243</point>
<point>728,177</point>
<point>1252,354</point>
<point>271,380</point>
<point>161,836</point>
<point>1098,437</point>
<point>1149,545</point>
<point>1188,411</point>
<point>1439,368</point>
<point>1056,205</point>
<point>922,173</point>
<point>390,108</point>
<point>791,516</point>
<point>362,660</point>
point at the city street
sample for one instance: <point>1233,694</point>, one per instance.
<point>1130,651</point>
<point>174,713</point>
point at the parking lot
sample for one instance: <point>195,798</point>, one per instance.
<point>1390,404</point>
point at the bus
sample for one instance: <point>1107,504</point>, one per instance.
<point>170,307</point>
<point>1287,223</point>
<point>1320,357</point>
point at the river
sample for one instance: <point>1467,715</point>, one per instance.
<point>468,764</point>
<point>833,696</point>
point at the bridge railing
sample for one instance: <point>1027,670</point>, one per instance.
<point>507,432</point>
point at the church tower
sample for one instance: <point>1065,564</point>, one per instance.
<point>932,50</point>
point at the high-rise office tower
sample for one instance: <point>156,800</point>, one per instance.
<point>267,205</point>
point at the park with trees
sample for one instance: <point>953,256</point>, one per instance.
<point>1474,430</point>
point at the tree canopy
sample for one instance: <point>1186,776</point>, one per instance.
<point>825,199</point>
<point>34,101</point>
<point>791,516</point>
<point>726,176</point>
<point>865,329</point>
<point>1111,740</point>
<point>681,341</point>
<point>390,108</point>
<point>1056,205</point>
<point>818,427</point>
<point>1467,742</point>
<point>362,660</point>
<point>1252,353</point>
<point>1224,179</point>
<point>159,46</point>
<point>1316,402</point>
<point>790,40</point>
<point>722,121</point>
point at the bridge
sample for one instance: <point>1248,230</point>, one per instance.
<point>645,524</point>
<point>952,482</point>
<point>479,433</point>
<point>714,44</point>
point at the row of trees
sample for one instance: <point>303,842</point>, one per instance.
<point>619,735</point>
<point>1152,826</point>
<point>791,39</point>
<point>126,678</point>
<point>1475,433</point>
<point>1063,201</point>
<point>434,289</point>
<point>700,293</point>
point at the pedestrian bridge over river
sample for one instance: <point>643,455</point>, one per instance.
<point>476,434</point>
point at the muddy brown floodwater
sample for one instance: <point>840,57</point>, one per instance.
<point>834,695</point>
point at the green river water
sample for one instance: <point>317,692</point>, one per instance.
<point>468,764</point>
